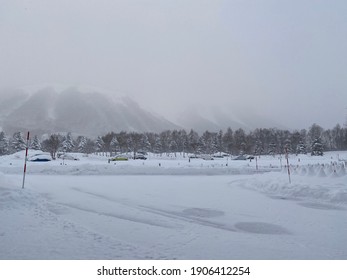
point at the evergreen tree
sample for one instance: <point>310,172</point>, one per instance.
<point>173,147</point>
<point>193,141</point>
<point>240,141</point>
<point>287,146</point>
<point>157,146</point>
<point>68,144</point>
<point>122,139</point>
<point>145,145</point>
<point>219,142</point>
<point>114,144</point>
<point>4,144</point>
<point>272,149</point>
<point>228,140</point>
<point>301,148</point>
<point>315,132</point>
<point>99,144</point>
<point>36,145</point>
<point>151,137</point>
<point>258,148</point>
<point>18,142</point>
<point>165,138</point>
<point>317,148</point>
<point>82,143</point>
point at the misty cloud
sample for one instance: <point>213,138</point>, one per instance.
<point>282,60</point>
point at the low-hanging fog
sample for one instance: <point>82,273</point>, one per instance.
<point>281,61</point>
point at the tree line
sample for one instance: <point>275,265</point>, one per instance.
<point>262,141</point>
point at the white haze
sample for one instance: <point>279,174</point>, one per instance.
<point>271,58</point>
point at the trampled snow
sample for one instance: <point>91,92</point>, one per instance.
<point>169,207</point>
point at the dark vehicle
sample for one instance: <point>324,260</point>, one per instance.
<point>240,158</point>
<point>40,158</point>
<point>194,156</point>
<point>140,157</point>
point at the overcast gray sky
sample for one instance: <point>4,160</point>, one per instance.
<point>284,59</point>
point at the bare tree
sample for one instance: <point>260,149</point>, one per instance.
<point>52,144</point>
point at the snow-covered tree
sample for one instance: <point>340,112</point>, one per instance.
<point>220,142</point>
<point>52,144</point>
<point>85,145</point>
<point>315,132</point>
<point>99,144</point>
<point>18,142</point>
<point>182,141</point>
<point>208,142</point>
<point>228,140</point>
<point>107,139</point>
<point>158,148</point>
<point>240,141</point>
<point>317,148</point>
<point>301,148</point>
<point>36,145</point>
<point>114,144</point>
<point>165,138</point>
<point>68,144</point>
<point>135,141</point>
<point>287,146</point>
<point>4,144</point>
<point>258,148</point>
<point>122,139</point>
<point>173,147</point>
<point>82,143</point>
<point>145,145</point>
<point>193,141</point>
<point>272,148</point>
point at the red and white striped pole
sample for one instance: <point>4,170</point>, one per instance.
<point>288,166</point>
<point>26,159</point>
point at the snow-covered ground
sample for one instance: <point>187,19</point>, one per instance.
<point>172,208</point>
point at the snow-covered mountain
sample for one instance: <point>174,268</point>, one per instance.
<point>92,111</point>
<point>215,118</point>
<point>84,112</point>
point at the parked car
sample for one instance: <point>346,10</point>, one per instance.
<point>207,157</point>
<point>119,158</point>
<point>194,156</point>
<point>68,157</point>
<point>140,157</point>
<point>40,158</point>
<point>242,157</point>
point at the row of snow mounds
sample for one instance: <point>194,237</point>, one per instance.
<point>333,169</point>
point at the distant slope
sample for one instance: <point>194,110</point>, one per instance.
<point>92,112</point>
<point>71,110</point>
<point>214,119</point>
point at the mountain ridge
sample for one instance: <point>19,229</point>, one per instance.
<point>91,112</point>
<point>71,110</point>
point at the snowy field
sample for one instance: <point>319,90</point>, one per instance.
<point>172,208</point>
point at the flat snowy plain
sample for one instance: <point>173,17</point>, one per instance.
<point>170,208</point>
